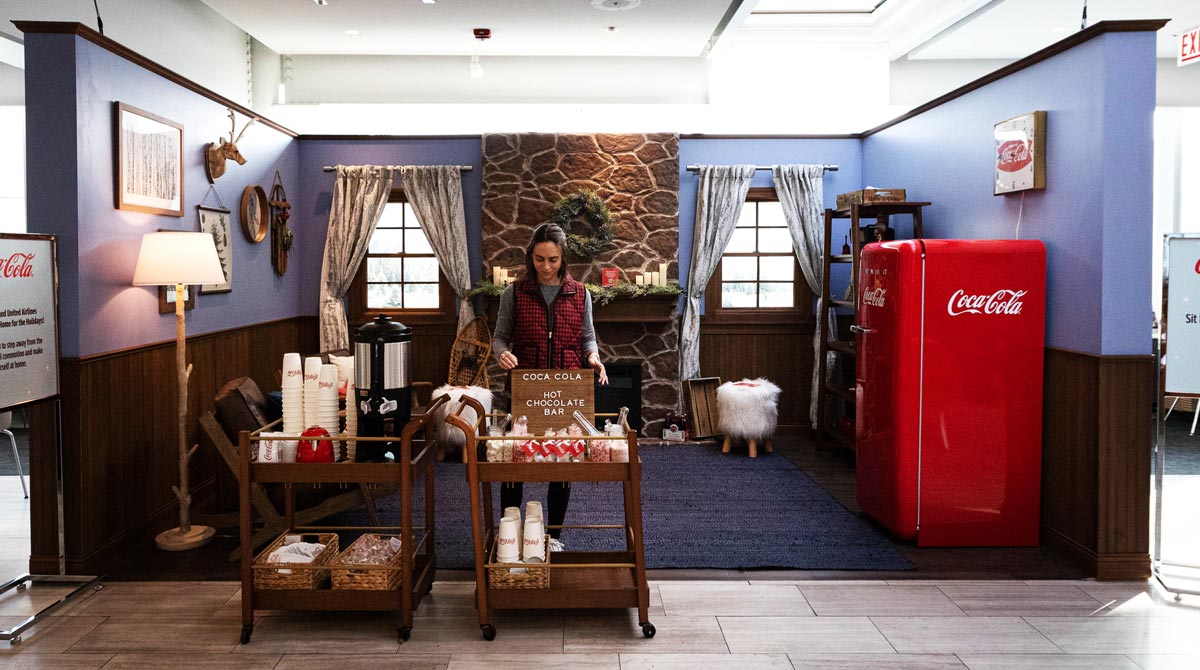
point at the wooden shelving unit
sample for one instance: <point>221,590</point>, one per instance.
<point>419,560</point>
<point>578,580</point>
<point>839,390</point>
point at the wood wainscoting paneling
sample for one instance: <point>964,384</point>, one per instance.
<point>118,437</point>
<point>782,353</point>
<point>1096,460</point>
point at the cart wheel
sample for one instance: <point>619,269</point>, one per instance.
<point>246,631</point>
<point>21,586</point>
<point>404,633</point>
<point>648,630</point>
<point>15,640</point>
<point>489,631</point>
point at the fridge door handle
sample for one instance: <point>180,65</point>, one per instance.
<point>857,329</point>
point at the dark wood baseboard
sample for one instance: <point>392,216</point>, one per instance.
<point>1110,567</point>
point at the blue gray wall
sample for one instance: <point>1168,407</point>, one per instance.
<point>1095,213</point>
<point>71,85</point>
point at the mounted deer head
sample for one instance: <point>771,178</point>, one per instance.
<point>216,153</point>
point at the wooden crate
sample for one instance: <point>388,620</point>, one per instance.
<point>868,196</point>
<point>700,394</point>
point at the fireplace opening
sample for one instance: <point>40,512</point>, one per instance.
<point>624,390</point>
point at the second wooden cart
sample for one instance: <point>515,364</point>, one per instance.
<point>578,579</point>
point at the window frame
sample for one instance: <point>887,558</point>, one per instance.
<point>801,311</point>
<point>445,312</point>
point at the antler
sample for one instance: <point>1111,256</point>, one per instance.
<point>232,126</point>
<point>239,137</point>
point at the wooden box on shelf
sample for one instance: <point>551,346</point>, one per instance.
<point>363,577</point>
<point>295,576</point>
<point>867,196</point>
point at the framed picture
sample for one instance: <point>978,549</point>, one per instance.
<point>215,222</point>
<point>1020,153</point>
<point>166,299</point>
<point>149,162</point>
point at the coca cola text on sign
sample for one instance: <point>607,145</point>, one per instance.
<point>1005,301</point>
<point>1189,46</point>
<point>17,265</point>
<point>1013,155</point>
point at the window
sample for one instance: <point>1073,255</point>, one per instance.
<point>400,272</point>
<point>758,274</point>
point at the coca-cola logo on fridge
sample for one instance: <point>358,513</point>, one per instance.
<point>874,296</point>
<point>1005,301</point>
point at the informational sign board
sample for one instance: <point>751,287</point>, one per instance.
<point>28,319</point>
<point>1189,47</point>
<point>1181,315</point>
<point>548,399</point>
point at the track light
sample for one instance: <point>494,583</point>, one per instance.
<point>476,68</point>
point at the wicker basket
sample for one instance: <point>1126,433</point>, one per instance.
<point>536,576</point>
<point>305,576</point>
<point>360,577</point>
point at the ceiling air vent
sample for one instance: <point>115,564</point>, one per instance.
<point>615,5</point>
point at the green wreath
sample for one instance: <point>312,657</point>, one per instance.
<point>589,204</point>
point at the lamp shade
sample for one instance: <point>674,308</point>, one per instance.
<point>166,259</point>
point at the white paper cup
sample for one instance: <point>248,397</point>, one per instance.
<point>312,368</point>
<point>533,509</point>
<point>507,543</point>
<point>327,382</point>
<point>533,540</point>
<point>293,371</point>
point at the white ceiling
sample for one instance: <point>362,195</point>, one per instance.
<point>519,27</point>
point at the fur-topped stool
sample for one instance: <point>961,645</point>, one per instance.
<point>748,410</point>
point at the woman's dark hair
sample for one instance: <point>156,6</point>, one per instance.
<point>547,232</point>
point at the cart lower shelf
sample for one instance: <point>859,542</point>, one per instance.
<point>593,587</point>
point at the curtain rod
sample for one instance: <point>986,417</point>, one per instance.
<point>828,168</point>
<point>463,168</point>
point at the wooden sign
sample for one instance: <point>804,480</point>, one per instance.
<point>549,398</point>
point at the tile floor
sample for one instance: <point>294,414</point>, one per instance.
<point>714,625</point>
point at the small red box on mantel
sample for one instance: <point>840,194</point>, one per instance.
<point>609,276</point>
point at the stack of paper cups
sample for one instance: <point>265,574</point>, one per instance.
<point>507,544</point>
<point>327,400</point>
<point>533,509</point>
<point>533,540</point>
<point>312,370</point>
<point>515,513</point>
<point>351,419</point>
<point>293,395</point>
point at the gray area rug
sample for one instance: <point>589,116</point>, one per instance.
<point>700,509</point>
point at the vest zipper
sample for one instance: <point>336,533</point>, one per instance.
<point>550,323</point>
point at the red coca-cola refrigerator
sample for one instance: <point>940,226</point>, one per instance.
<point>949,389</point>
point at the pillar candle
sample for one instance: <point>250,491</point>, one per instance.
<point>496,273</point>
<point>654,279</point>
<point>641,279</point>
<point>662,274</point>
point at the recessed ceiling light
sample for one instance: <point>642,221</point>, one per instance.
<point>429,2</point>
<point>615,5</point>
<point>353,33</point>
<point>612,29</point>
<point>321,3</point>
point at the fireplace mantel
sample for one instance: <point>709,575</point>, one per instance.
<point>646,309</point>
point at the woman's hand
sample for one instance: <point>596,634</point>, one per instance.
<point>594,361</point>
<point>507,361</point>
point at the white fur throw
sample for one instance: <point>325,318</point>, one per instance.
<point>444,432</point>
<point>748,408</point>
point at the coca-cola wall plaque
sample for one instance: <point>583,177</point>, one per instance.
<point>1020,153</point>
<point>28,319</point>
<point>1181,315</point>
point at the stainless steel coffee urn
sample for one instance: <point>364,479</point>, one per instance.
<point>383,384</point>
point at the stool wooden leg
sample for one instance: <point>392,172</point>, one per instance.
<point>767,444</point>
<point>725,447</point>
<point>753,448</point>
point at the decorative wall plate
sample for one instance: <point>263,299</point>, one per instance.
<point>256,213</point>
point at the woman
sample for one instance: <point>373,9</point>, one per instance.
<point>545,321</point>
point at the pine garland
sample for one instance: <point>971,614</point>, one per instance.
<point>601,295</point>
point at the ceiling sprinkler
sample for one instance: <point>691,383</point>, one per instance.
<point>482,34</point>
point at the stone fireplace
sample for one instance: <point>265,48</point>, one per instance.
<point>637,176</point>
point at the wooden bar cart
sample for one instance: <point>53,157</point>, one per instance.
<point>578,580</point>
<point>418,558</point>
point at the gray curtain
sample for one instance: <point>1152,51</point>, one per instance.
<point>435,194</point>
<point>719,198</point>
<point>359,195</point>
<point>801,195</point>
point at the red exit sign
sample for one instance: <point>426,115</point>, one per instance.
<point>1189,46</point>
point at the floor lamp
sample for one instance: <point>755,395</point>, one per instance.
<point>180,259</point>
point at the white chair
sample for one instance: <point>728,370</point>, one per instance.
<point>5,423</point>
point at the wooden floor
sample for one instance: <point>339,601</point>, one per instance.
<point>961,608</point>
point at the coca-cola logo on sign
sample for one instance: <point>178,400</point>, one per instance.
<point>1013,155</point>
<point>1198,267</point>
<point>1004,301</point>
<point>17,265</point>
<point>874,296</point>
